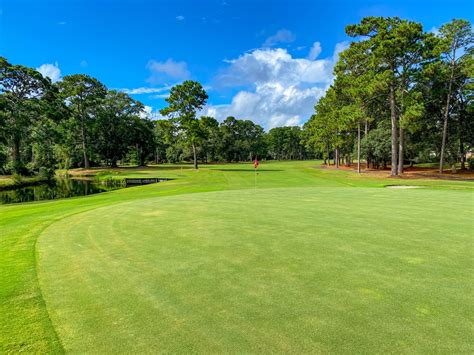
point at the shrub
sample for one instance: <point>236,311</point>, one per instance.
<point>17,179</point>
<point>470,164</point>
<point>45,173</point>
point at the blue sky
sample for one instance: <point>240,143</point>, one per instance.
<point>268,61</point>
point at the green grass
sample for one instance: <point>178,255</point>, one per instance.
<point>312,260</point>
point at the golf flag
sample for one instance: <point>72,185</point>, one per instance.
<point>255,163</point>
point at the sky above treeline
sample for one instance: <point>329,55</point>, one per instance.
<point>268,61</point>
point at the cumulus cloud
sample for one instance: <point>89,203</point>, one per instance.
<point>270,105</point>
<point>144,90</point>
<point>146,113</point>
<point>279,89</point>
<point>161,71</point>
<point>340,47</point>
<point>160,96</point>
<point>434,30</point>
<point>282,36</point>
<point>180,18</point>
<point>314,51</point>
<point>149,112</point>
<point>51,71</point>
<point>275,65</point>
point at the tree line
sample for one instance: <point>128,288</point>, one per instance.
<point>78,122</point>
<point>400,95</point>
<point>74,122</point>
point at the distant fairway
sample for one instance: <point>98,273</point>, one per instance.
<point>313,260</point>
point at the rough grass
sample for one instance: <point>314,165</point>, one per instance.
<point>313,260</point>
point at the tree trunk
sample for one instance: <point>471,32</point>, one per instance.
<point>401,150</point>
<point>195,156</point>
<point>367,158</point>
<point>445,133</point>
<point>462,150</point>
<point>84,145</point>
<point>336,158</point>
<point>358,148</point>
<point>446,114</point>
<point>16,153</point>
<point>463,156</point>
<point>393,117</point>
<point>328,161</point>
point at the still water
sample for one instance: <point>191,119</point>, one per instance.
<point>58,188</point>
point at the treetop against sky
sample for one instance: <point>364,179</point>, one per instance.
<point>261,60</point>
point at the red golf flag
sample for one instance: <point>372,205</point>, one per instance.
<point>255,163</point>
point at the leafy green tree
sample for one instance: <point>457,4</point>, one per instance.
<point>229,134</point>
<point>286,143</point>
<point>115,121</point>
<point>321,131</point>
<point>354,75</point>
<point>184,101</point>
<point>165,137</point>
<point>21,91</point>
<point>241,140</point>
<point>209,138</point>
<point>395,47</point>
<point>83,95</point>
<point>455,47</point>
<point>378,142</point>
<point>142,139</point>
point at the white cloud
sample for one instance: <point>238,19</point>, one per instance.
<point>275,65</point>
<point>149,112</point>
<point>144,90</point>
<point>52,71</point>
<point>434,30</point>
<point>340,47</point>
<point>271,105</point>
<point>160,71</point>
<point>314,51</point>
<point>62,23</point>
<point>279,89</point>
<point>160,96</point>
<point>180,18</point>
<point>282,36</point>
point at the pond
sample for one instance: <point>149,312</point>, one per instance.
<point>59,188</point>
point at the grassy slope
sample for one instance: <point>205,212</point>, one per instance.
<point>25,323</point>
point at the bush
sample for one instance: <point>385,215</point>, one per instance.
<point>470,164</point>
<point>17,179</point>
<point>3,159</point>
<point>45,173</point>
<point>13,167</point>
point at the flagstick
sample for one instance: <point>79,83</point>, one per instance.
<point>255,173</point>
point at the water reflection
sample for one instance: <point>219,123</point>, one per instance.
<point>59,188</point>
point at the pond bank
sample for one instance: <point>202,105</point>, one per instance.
<point>10,184</point>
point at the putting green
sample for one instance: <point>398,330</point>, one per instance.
<point>312,269</point>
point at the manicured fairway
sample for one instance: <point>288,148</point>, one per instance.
<point>310,261</point>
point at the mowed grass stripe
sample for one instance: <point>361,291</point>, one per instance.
<point>308,269</point>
